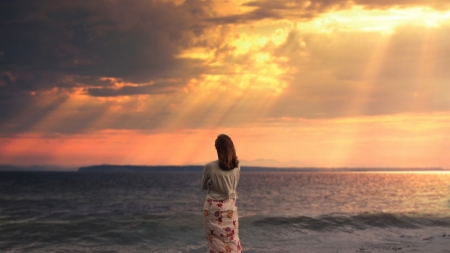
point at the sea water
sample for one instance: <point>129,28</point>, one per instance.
<point>279,212</point>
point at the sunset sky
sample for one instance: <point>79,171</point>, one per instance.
<point>323,83</point>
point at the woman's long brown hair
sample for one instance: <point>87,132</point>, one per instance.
<point>226,152</point>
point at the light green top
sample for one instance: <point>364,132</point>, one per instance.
<point>221,184</point>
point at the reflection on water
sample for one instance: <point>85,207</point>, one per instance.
<point>148,212</point>
<point>271,193</point>
<point>315,194</point>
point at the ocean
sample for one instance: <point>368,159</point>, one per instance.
<point>279,212</point>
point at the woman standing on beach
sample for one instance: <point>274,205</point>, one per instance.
<point>220,179</point>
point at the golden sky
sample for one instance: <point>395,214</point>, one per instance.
<point>326,83</point>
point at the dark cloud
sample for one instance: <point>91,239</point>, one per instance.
<point>304,9</point>
<point>136,41</point>
<point>43,42</point>
<point>258,14</point>
<point>67,46</point>
<point>63,45</point>
<point>157,88</point>
<point>309,9</point>
<point>11,13</point>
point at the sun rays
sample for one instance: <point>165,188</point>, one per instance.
<point>330,89</point>
<point>379,20</point>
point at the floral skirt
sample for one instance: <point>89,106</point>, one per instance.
<point>221,226</point>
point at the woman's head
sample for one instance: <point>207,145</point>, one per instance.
<point>226,152</point>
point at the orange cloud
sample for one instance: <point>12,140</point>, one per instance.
<point>323,83</point>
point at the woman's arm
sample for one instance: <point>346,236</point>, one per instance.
<point>206,177</point>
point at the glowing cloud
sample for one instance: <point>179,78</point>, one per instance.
<point>308,83</point>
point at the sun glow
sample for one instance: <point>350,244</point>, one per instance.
<point>283,85</point>
<point>381,20</point>
<point>320,138</point>
<point>247,64</point>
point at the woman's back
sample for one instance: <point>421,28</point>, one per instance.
<point>221,184</point>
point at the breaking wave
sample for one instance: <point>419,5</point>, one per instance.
<point>356,222</point>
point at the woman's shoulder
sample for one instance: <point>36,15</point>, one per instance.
<point>212,164</point>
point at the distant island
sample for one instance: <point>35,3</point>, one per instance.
<point>162,168</point>
<point>139,168</point>
<point>111,168</point>
<point>199,168</point>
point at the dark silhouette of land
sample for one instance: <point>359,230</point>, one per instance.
<point>199,168</point>
<point>110,168</point>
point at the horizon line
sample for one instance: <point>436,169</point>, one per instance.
<point>56,168</point>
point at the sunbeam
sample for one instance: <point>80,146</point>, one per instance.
<point>304,83</point>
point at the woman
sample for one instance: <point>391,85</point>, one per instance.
<point>220,179</point>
